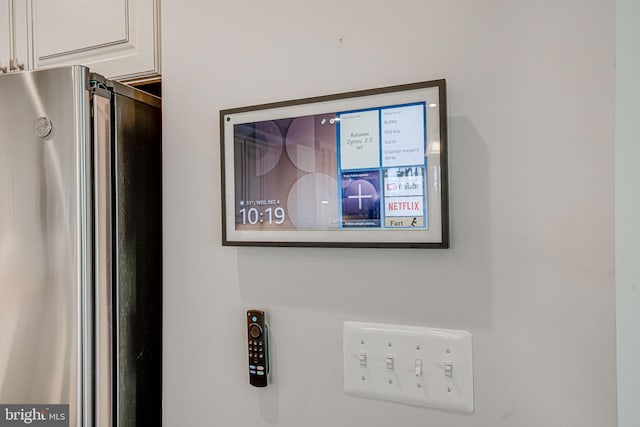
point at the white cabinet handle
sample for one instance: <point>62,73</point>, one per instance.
<point>14,65</point>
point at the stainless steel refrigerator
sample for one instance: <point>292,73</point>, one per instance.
<point>80,251</point>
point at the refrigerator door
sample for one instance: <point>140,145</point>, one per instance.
<point>45,240</point>
<point>138,243</point>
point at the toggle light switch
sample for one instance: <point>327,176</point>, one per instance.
<point>448,369</point>
<point>418,367</point>
<point>363,360</point>
<point>389,362</point>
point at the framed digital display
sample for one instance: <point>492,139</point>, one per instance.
<point>356,169</point>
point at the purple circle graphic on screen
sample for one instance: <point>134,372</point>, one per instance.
<point>359,197</point>
<point>300,143</point>
<point>312,202</point>
<point>270,148</point>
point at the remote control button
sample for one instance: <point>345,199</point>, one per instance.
<point>260,372</point>
<point>255,330</point>
<point>261,356</point>
<point>252,372</point>
<point>260,368</point>
<point>252,367</point>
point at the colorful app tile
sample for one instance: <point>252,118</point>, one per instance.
<point>361,199</point>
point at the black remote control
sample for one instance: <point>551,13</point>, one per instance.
<point>258,338</point>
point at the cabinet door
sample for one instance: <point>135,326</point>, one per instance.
<point>116,38</point>
<point>20,52</point>
<point>13,33</point>
<point>4,34</point>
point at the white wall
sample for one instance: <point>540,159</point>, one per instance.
<point>530,272</point>
<point>627,180</point>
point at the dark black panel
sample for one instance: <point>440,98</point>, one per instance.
<point>138,201</point>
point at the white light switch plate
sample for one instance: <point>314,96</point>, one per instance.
<point>409,364</point>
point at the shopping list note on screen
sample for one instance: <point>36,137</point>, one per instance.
<point>403,135</point>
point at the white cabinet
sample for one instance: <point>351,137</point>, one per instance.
<point>13,37</point>
<point>4,35</point>
<point>116,38</point>
<point>119,39</point>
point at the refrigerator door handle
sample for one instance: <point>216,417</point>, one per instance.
<point>103,292</point>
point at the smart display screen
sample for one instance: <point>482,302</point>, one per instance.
<point>358,169</point>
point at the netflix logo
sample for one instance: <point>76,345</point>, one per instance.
<point>404,206</point>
